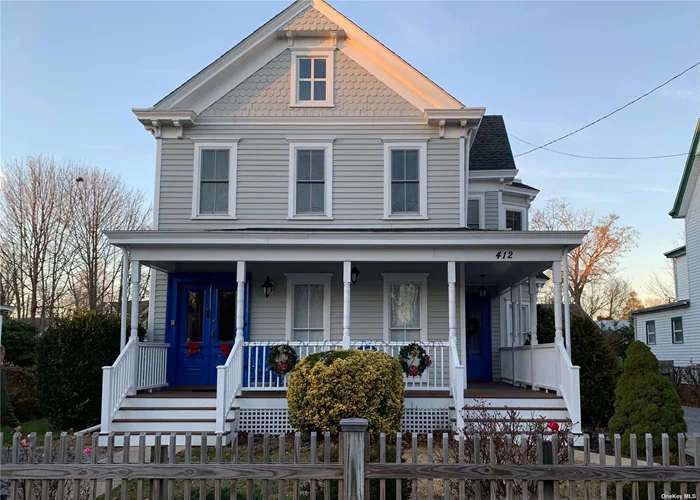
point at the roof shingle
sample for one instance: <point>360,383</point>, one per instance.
<point>491,148</point>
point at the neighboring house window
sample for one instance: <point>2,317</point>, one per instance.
<point>514,220</point>
<point>214,181</point>
<point>405,180</point>
<point>677,329</point>
<point>405,307</point>
<point>651,333</point>
<point>308,307</point>
<point>474,214</point>
<point>312,84</point>
<point>310,180</point>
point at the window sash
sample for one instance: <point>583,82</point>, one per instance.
<point>473,214</point>
<point>514,220</point>
<point>315,83</point>
<point>214,181</point>
<point>305,334</point>
<point>404,334</point>
<point>405,181</point>
<point>651,332</point>
<point>310,181</point>
<point>677,330</point>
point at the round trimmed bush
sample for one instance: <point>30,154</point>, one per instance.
<point>69,361</point>
<point>327,387</point>
<point>19,339</point>
<point>645,401</point>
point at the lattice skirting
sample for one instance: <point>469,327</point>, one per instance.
<point>277,421</point>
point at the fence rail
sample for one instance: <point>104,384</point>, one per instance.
<point>351,465</point>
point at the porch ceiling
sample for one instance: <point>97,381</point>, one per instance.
<point>501,275</point>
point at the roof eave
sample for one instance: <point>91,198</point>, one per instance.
<point>689,178</point>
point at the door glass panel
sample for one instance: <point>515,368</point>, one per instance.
<point>195,307</point>
<point>226,315</point>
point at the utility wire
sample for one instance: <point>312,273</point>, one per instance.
<point>599,157</point>
<point>612,112</point>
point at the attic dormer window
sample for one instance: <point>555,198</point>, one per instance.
<point>312,82</point>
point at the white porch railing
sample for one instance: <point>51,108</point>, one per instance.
<point>118,381</point>
<point>457,381</point>
<point>569,386</point>
<point>228,383</point>
<point>152,365</point>
<point>534,365</point>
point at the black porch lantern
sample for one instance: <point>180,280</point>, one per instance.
<point>482,288</point>
<point>267,287</point>
<point>354,274</point>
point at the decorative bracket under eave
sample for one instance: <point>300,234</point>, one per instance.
<point>441,124</point>
<point>154,128</point>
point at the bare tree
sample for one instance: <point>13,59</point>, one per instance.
<point>633,303</point>
<point>661,285</point>
<point>598,255</point>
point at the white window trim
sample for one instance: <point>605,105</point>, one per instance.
<point>317,52</point>
<point>646,331</point>
<point>422,148</point>
<point>392,278</point>
<point>506,207</point>
<point>673,331</point>
<point>482,206</point>
<point>309,279</point>
<point>327,146</point>
<point>232,179</point>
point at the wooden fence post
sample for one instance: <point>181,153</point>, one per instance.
<point>548,459</point>
<point>354,457</point>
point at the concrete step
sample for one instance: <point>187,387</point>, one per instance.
<point>168,402</point>
<point>167,425</point>
<point>165,413</point>
<point>517,402</point>
<point>527,413</point>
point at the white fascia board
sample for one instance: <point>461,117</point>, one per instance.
<point>166,116</point>
<point>522,191</point>
<point>506,174</point>
<point>691,189</point>
<point>472,116</point>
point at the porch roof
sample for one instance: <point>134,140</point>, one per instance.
<point>337,245</point>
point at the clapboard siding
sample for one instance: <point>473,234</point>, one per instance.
<point>680,271</point>
<point>160,296</point>
<point>691,323</point>
<point>665,349</point>
<point>496,337</point>
<point>491,210</point>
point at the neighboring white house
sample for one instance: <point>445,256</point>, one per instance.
<point>313,188</point>
<point>672,331</point>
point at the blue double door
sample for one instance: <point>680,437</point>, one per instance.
<point>202,327</point>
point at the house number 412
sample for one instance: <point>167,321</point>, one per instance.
<point>506,254</point>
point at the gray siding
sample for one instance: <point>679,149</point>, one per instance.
<point>665,349</point>
<point>161,281</point>
<point>680,273</point>
<point>491,210</point>
<point>691,320</point>
<point>496,337</point>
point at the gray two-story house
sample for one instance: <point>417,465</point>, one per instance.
<point>313,189</point>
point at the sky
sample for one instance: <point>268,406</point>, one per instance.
<point>70,72</point>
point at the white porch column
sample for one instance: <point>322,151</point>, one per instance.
<point>347,290</point>
<point>567,301</point>
<point>240,299</point>
<point>125,297</point>
<point>513,326</point>
<point>532,289</point>
<point>135,289</point>
<point>452,299</point>
<point>556,277</point>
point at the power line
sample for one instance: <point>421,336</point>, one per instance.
<point>612,112</point>
<point>598,157</point>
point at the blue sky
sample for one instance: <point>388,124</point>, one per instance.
<point>71,72</point>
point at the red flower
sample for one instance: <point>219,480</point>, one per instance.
<point>413,371</point>
<point>428,361</point>
<point>282,366</point>
<point>553,426</point>
<point>225,349</point>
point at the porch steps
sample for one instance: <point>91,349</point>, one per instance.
<point>530,409</point>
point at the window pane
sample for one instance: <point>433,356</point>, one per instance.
<point>398,197</point>
<point>305,91</point>
<point>315,335</point>
<point>525,319</point>
<point>317,164</point>
<point>226,308</point>
<point>221,204</point>
<point>317,192</point>
<point>222,164</point>
<point>411,197</point>
<point>208,165</point>
<point>316,306</point>
<point>320,68</point>
<point>514,220</point>
<point>303,197</point>
<point>405,305</point>
<point>303,164</point>
<point>320,91</point>
<point>304,68</point>
<point>412,165</point>
<point>300,335</point>
<point>207,197</point>
<point>301,306</point>
<point>195,303</point>
<point>473,208</point>
<point>398,171</point>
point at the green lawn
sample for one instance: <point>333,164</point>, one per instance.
<point>38,426</point>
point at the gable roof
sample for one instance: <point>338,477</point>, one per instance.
<point>491,148</point>
<point>691,172</point>
<point>676,252</point>
<point>315,18</point>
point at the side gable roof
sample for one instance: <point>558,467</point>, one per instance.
<point>689,178</point>
<point>491,148</point>
<point>268,41</point>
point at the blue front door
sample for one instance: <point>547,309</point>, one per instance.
<point>478,341</point>
<point>204,321</point>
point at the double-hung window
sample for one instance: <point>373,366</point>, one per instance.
<point>312,81</point>
<point>405,180</point>
<point>651,332</point>
<point>214,181</point>
<point>677,329</point>
<point>514,220</point>
<point>308,307</point>
<point>310,180</point>
<point>474,213</point>
<point>405,307</point>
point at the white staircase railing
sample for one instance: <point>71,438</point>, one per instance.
<point>153,365</point>
<point>118,381</point>
<point>569,386</point>
<point>457,381</point>
<point>229,380</point>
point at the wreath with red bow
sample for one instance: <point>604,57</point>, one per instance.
<point>192,348</point>
<point>414,360</point>
<point>282,359</point>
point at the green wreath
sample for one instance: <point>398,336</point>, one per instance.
<point>282,359</point>
<point>414,360</point>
